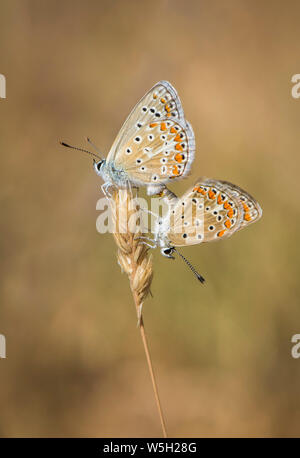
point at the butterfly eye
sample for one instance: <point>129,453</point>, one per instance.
<point>99,164</point>
<point>167,252</point>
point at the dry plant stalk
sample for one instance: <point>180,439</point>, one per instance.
<point>135,261</point>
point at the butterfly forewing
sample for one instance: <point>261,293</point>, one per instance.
<point>155,143</point>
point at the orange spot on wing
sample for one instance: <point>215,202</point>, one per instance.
<point>153,124</point>
<point>177,138</point>
<point>178,147</point>
<point>163,126</point>
<point>163,100</point>
<point>246,208</point>
<point>211,194</point>
<point>173,130</point>
<point>176,170</point>
<point>169,114</point>
<point>230,213</point>
<point>168,109</point>
<point>221,233</point>
<point>247,217</point>
<point>196,188</point>
<point>154,96</point>
<point>179,157</point>
<point>220,199</point>
<point>228,224</point>
<point>226,205</point>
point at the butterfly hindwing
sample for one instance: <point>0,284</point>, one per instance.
<point>252,211</point>
<point>207,212</point>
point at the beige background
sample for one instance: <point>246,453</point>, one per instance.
<point>222,353</point>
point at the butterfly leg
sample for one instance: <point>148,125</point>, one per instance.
<point>148,245</point>
<point>147,241</point>
<point>145,238</point>
<point>105,189</point>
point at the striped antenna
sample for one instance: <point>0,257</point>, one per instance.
<point>200,278</point>
<point>81,149</point>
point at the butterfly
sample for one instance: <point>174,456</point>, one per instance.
<point>211,210</point>
<point>154,146</point>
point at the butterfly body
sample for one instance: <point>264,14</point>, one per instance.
<point>111,174</point>
<point>155,145</point>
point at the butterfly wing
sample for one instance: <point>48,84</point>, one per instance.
<point>252,211</point>
<point>156,143</point>
<point>211,210</point>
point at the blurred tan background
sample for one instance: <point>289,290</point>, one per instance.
<point>222,353</point>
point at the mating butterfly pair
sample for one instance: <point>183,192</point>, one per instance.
<point>155,146</point>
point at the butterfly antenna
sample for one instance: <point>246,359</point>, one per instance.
<point>200,278</point>
<point>93,145</point>
<point>81,149</point>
